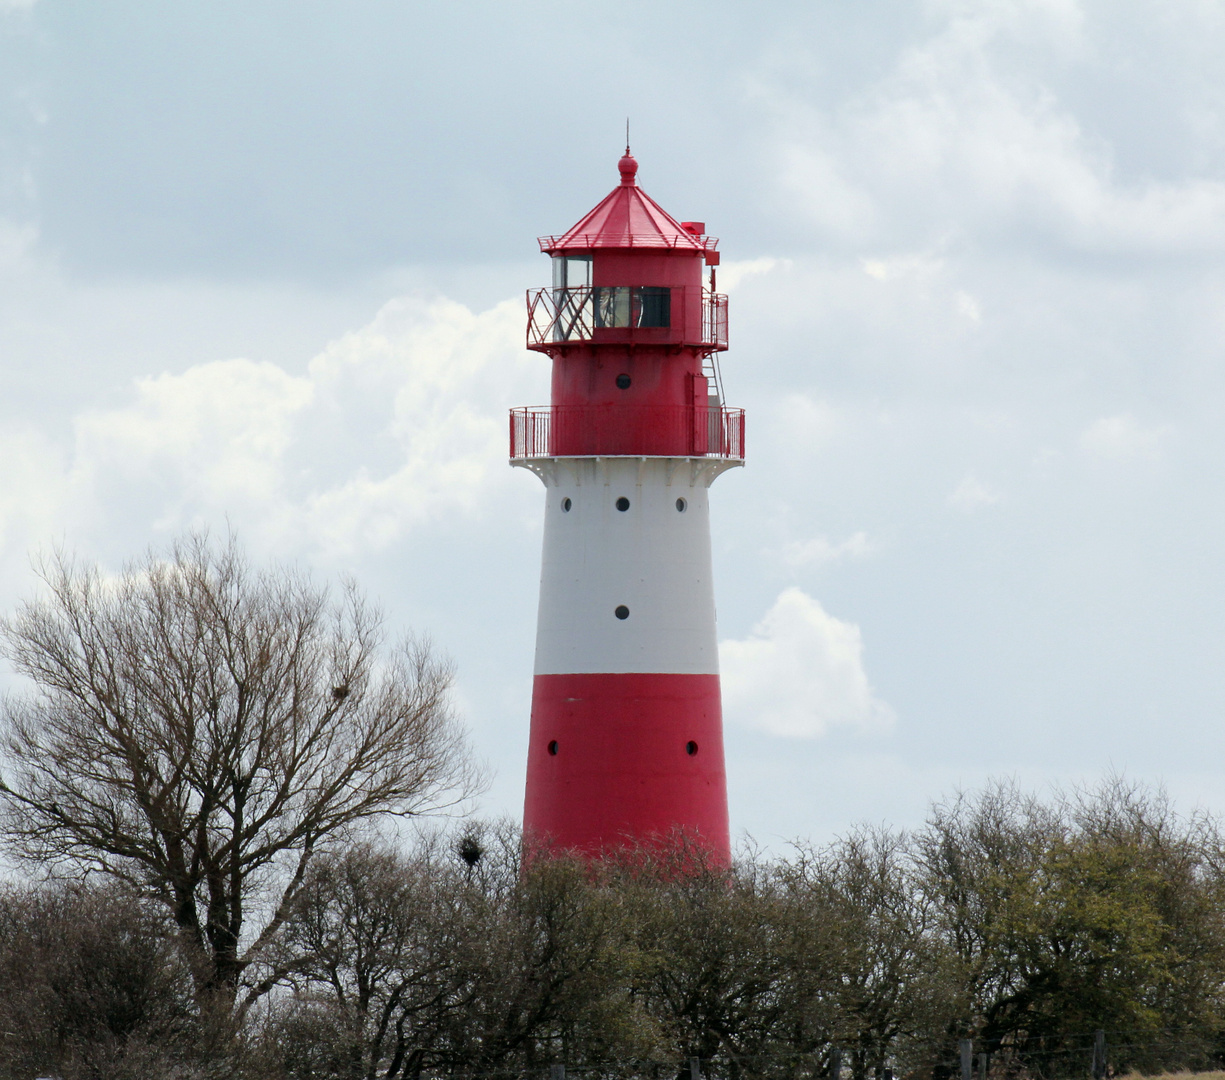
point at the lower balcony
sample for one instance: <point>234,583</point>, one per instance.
<point>549,431</point>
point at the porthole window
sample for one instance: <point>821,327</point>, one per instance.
<point>623,382</point>
<point>681,505</point>
<point>691,747</point>
<point>553,748</point>
<point>622,612</point>
<point>566,504</point>
<point>623,504</point>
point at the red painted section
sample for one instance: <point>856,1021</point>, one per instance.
<point>627,217</point>
<point>622,774</point>
<point>603,430</point>
<point>588,376</point>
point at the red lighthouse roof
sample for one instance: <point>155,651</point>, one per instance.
<point>629,218</point>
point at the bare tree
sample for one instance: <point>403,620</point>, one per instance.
<point>199,730</point>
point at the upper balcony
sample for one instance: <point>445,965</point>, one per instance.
<point>626,314</point>
<point>690,431</point>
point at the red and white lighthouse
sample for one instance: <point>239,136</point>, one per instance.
<point>626,743</point>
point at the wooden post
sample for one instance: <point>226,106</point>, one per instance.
<point>835,1063</point>
<point>1099,1055</point>
<point>966,1046</point>
<point>557,1072</point>
<point>695,1069</point>
<point>982,1066</point>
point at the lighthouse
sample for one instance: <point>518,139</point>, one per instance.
<point>626,738</point>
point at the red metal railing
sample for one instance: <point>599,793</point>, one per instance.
<point>714,319</point>
<point>611,430</point>
<point>633,240</point>
<point>624,314</point>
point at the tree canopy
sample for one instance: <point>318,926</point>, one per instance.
<point>200,730</point>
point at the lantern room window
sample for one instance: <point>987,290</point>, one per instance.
<point>571,271</point>
<point>572,297</point>
<point>633,306</point>
<point>580,308</point>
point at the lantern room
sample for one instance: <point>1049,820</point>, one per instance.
<point>629,273</point>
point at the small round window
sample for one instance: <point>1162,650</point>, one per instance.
<point>623,504</point>
<point>553,747</point>
<point>681,506</point>
<point>566,504</point>
<point>622,612</point>
<point>623,382</point>
<point>691,747</point>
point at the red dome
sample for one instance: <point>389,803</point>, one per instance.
<point>627,218</point>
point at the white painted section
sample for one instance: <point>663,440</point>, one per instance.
<point>651,558</point>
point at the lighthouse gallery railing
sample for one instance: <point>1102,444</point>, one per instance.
<point>563,316</point>
<point>611,430</point>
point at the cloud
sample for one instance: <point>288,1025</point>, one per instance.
<point>389,427</point>
<point>973,494</point>
<point>217,432</point>
<point>960,135</point>
<point>1123,438</point>
<point>33,487</point>
<point>800,673</point>
<point>820,550</point>
<point>968,306</point>
<point>915,266</point>
<point>731,274</point>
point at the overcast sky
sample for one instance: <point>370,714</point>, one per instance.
<point>262,262</point>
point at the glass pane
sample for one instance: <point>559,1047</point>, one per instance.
<point>559,271</point>
<point>574,314</point>
<point>578,270</point>
<point>612,305</point>
<point>656,306</point>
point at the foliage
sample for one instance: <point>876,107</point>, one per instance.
<point>1021,923</point>
<point>91,984</point>
<point>199,731</point>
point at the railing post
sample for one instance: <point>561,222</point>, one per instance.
<point>966,1046</point>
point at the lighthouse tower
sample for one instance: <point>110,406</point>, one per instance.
<point>626,743</point>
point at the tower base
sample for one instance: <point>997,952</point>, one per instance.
<point>617,760</point>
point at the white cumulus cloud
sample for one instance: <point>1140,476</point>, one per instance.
<point>820,550</point>
<point>1123,438</point>
<point>219,430</point>
<point>973,494</point>
<point>388,427</point>
<point>800,673</point>
<point>958,128</point>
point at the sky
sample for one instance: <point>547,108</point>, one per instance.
<point>262,268</point>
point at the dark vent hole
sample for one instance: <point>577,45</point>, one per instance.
<point>622,612</point>
<point>691,748</point>
<point>623,382</point>
<point>681,504</point>
<point>566,504</point>
<point>623,503</point>
<point>553,747</point>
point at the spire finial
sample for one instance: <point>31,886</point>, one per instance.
<point>627,166</point>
